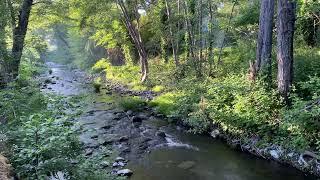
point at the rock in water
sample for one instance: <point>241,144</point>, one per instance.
<point>118,164</point>
<point>275,154</point>
<point>104,164</point>
<point>186,165</point>
<point>136,119</point>
<point>120,159</point>
<point>124,172</point>
<point>161,134</point>
<point>215,133</point>
<point>88,152</point>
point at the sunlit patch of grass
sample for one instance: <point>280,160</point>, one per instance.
<point>139,88</point>
<point>133,103</point>
<point>158,88</point>
<point>166,103</point>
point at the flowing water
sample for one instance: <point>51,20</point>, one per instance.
<point>202,158</point>
<point>179,155</point>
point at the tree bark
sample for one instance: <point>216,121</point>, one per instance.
<point>134,34</point>
<point>200,39</point>
<point>190,34</point>
<point>172,41</point>
<point>285,32</point>
<point>211,39</point>
<point>264,45</point>
<point>19,34</point>
<point>3,44</point>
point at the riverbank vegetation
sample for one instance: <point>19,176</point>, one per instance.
<point>248,68</point>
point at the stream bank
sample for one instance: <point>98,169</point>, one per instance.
<point>149,146</point>
<point>308,162</point>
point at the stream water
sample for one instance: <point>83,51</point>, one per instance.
<point>175,155</point>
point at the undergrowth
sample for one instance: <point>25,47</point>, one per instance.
<point>231,102</point>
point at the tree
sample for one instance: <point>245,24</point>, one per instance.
<point>264,45</point>
<point>19,33</point>
<point>3,44</point>
<point>285,32</point>
<point>172,41</point>
<point>136,37</point>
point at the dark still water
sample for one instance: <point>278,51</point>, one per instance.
<point>202,158</point>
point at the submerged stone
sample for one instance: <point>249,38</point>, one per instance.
<point>186,165</point>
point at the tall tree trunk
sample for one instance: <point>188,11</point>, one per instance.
<point>200,38</point>
<point>134,34</point>
<point>285,32</point>
<point>172,41</point>
<point>190,34</point>
<point>211,40</point>
<point>264,45</point>
<point>226,32</point>
<point>19,34</point>
<point>3,44</point>
<point>178,32</point>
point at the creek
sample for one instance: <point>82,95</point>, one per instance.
<point>155,149</point>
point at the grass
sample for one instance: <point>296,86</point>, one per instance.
<point>133,103</point>
<point>166,103</point>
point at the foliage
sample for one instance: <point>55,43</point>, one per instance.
<point>43,145</point>
<point>165,103</point>
<point>134,103</point>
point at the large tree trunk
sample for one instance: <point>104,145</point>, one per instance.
<point>134,34</point>
<point>190,34</point>
<point>211,39</point>
<point>3,44</point>
<point>200,42</point>
<point>285,32</point>
<point>264,45</point>
<point>19,34</point>
<point>172,41</point>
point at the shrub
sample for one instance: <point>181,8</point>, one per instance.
<point>43,145</point>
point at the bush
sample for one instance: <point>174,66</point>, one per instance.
<point>302,119</point>
<point>232,102</point>
<point>43,145</point>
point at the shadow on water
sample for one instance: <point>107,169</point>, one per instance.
<point>207,159</point>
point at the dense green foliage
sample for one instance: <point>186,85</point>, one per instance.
<point>198,54</point>
<point>41,135</point>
